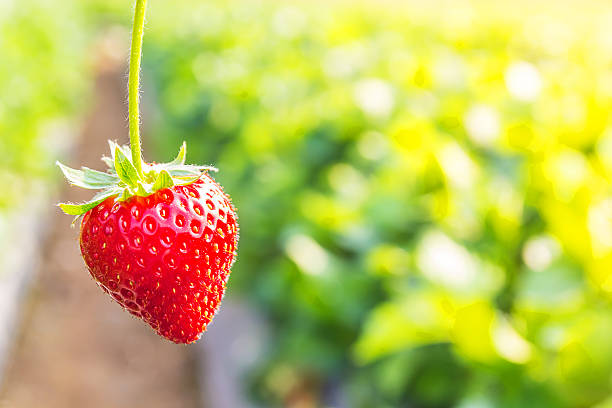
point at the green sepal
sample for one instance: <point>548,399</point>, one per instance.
<point>108,161</point>
<point>79,209</point>
<point>125,195</point>
<point>181,156</point>
<point>124,149</point>
<point>88,178</point>
<point>188,170</point>
<point>164,180</point>
<point>123,181</point>
<point>143,190</point>
<point>125,169</point>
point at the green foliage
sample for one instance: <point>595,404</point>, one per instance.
<point>424,194</point>
<point>42,85</point>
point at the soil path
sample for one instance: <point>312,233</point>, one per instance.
<point>77,347</point>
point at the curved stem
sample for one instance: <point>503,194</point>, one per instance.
<point>134,84</point>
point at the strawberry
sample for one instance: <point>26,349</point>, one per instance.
<point>165,258</point>
<point>162,246</point>
<point>159,238</point>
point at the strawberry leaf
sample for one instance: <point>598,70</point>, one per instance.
<point>109,162</point>
<point>79,209</point>
<point>124,149</point>
<point>164,180</point>
<point>113,146</point>
<point>125,169</point>
<point>143,190</point>
<point>182,155</point>
<point>187,170</point>
<point>125,194</point>
<point>123,181</point>
<point>99,177</point>
<point>88,178</point>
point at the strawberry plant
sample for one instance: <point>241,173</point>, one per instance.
<point>159,238</point>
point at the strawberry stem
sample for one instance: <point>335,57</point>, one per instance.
<point>125,178</point>
<point>134,85</point>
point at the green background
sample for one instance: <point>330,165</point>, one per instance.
<point>423,190</point>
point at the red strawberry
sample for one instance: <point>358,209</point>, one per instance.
<point>159,238</point>
<point>160,241</point>
<point>165,258</point>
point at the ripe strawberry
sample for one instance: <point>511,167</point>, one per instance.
<point>165,258</point>
<point>159,238</point>
<point>161,245</point>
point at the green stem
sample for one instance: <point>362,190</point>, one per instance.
<point>134,84</point>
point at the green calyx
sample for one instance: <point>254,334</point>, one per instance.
<point>128,175</point>
<point>122,180</point>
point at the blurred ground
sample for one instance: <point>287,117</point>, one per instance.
<point>77,348</point>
